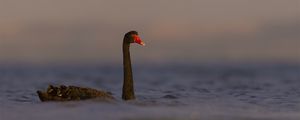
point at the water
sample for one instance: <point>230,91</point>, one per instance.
<point>164,92</point>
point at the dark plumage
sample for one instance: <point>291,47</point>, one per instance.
<point>71,93</point>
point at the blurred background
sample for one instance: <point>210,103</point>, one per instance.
<point>175,31</point>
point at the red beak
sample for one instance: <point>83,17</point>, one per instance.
<point>138,40</point>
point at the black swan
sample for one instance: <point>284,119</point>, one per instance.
<point>71,93</point>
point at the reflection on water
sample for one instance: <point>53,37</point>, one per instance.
<point>246,92</point>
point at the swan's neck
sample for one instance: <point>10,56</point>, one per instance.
<point>128,90</point>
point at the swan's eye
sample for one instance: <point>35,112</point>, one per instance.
<point>138,40</point>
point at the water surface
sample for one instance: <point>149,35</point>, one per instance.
<point>164,92</point>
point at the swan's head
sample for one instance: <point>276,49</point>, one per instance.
<point>133,37</point>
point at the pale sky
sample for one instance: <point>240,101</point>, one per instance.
<point>91,31</point>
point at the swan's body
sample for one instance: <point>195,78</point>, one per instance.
<point>70,93</point>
